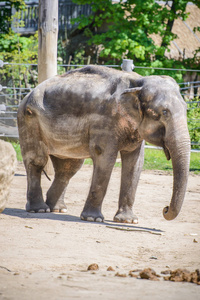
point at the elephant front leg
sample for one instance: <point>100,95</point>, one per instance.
<point>101,175</point>
<point>132,163</point>
<point>35,202</point>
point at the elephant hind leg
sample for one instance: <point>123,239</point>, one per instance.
<point>35,202</point>
<point>65,169</point>
<point>35,161</point>
<point>35,156</point>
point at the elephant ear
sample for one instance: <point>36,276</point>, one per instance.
<point>134,94</point>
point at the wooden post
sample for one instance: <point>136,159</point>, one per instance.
<point>47,46</point>
<point>47,39</point>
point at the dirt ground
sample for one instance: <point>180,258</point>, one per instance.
<point>46,256</point>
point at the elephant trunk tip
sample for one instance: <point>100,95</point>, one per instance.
<point>169,214</point>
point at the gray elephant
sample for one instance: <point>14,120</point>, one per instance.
<point>97,112</point>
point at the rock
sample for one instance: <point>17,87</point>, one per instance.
<point>180,275</point>
<point>110,269</point>
<point>149,274</point>
<point>7,168</point>
<point>93,267</point>
<point>153,257</point>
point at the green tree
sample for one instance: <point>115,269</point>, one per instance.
<point>15,48</point>
<point>129,28</point>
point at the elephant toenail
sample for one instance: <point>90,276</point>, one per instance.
<point>90,219</point>
<point>99,220</point>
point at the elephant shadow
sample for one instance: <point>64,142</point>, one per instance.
<point>21,213</point>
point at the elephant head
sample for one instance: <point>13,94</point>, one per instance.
<point>162,121</point>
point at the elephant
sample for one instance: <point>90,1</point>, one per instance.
<point>98,112</point>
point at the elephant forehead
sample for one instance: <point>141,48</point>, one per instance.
<point>160,92</point>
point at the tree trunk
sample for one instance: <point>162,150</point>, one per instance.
<point>169,25</point>
<point>47,46</point>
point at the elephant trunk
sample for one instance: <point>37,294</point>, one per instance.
<point>178,146</point>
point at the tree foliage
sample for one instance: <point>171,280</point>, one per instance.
<point>15,48</point>
<point>129,28</point>
<point>193,115</point>
<point>6,13</point>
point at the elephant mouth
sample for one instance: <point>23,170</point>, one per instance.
<point>166,151</point>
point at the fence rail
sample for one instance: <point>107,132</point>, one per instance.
<point>11,96</point>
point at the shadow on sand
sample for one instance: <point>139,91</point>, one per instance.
<point>20,213</point>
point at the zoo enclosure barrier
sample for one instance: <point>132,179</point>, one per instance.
<point>12,92</point>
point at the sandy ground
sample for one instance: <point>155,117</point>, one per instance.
<point>46,256</point>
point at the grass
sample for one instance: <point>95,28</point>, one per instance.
<point>195,163</point>
<point>16,146</point>
<point>154,160</point>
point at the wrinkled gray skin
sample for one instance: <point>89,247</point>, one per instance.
<point>96,112</point>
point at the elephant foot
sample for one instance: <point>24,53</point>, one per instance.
<point>92,214</point>
<point>60,207</point>
<point>125,216</point>
<point>40,207</point>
